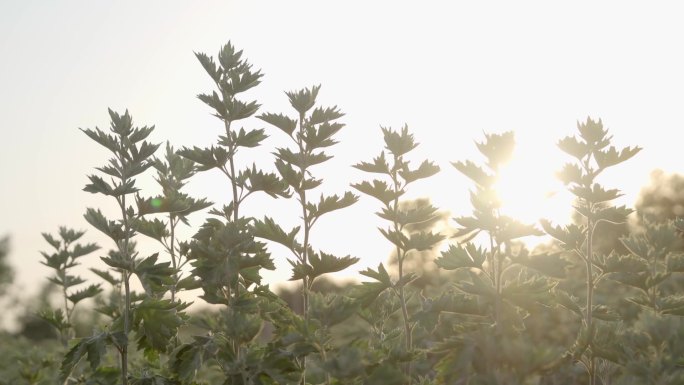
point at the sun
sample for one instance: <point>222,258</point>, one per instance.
<point>529,191</point>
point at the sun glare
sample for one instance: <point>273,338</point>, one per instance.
<point>529,191</point>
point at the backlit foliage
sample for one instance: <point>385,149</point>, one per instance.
<point>565,313</point>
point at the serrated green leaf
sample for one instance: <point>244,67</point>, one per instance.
<point>81,250</point>
<point>108,141</point>
<point>400,142</point>
<point>109,228</point>
<point>322,115</point>
<point>155,228</point>
<point>378,190</point>
<point>320,136</point>
<point>398,238</point>
<point>93,347</point>
<point>571,237</point>
<point>595,194</point>
<point>248,139</point>
<point>55,318</point>
<point>475,173</point>
<point>611,156</point>
<point>613,214</point>
<point>268,229</point>
<point>302,160</point>
<point>51,240</point>
<point>422,213</point>
<point>425,170</point>
<point>97,185</point>
<point>567,301</point>
<point>615,263</point>
<point>571,173</point>
<point>574,147</point>
<point>423,241</point>
<point>116,260</point>
<point>209,65</point>
<point>269,183</point>
<point>281,121</point>
<point>331,203</point>
<point>497,148</point>
<point>380,275</point>
<point>303,100</point>
<point>154,277</point>
<point>186,360</point>
<point>323,263</point>
<point>458,257</point>
<point>637,280</point>
<point>240,110</point>
<point>379,165</point>
<point>289,174</point>
<point>205,158</point>
<point>157,323</point>
<point>89,292</point>
<point>106,276</point>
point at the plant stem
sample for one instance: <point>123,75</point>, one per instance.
<point>305,244</point>
<point>124,349</point>
<point>236,215</point>
<point>407,325</point>
<point>127,310</point>
<point>590,296</point>
<point>127,289</point>
<point>64,335</point>
<point>401,254</point>
<point>172,251</point>
<point>233,182</point>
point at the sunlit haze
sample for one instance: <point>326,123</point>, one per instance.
<point>527,197</point>
<point>452,71</point>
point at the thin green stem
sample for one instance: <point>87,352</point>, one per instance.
<point>589,267</point>
<point>233,182</point>
<point>307,228</point>
<point>172,252</point>
<point>589,264</point>
<point>401,254</point>
<point>124,249</point>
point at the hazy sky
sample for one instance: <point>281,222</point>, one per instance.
<point>450,70</point>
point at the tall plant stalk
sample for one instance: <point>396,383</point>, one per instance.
<point>131,158</point>
<point>62,260</point>
<point>593,155</point>
<point>310,132</point>
<point>400,175</point>
<point>173,171</point>
<point>500,231</point>
<point>224,253</point>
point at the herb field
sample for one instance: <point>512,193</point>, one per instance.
<point>599,302</point>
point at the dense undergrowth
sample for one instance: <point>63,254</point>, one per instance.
<point>594,306</point>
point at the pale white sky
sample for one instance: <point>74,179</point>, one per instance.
<point>450,70</point>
